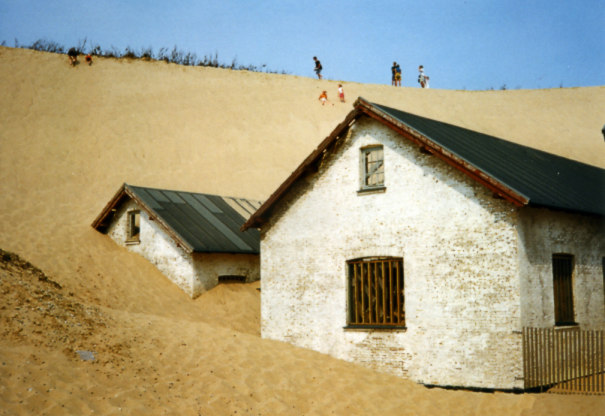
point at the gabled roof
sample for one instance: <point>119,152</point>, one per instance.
<point>522,175</point>
<point>199,223</point>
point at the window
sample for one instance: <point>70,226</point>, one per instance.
<point>372,167</point>
<point>376,294</point>
<point>133,226</point>
<point>562,268</point>
<point>232,279</point>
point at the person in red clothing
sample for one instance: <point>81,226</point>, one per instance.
<point>341,93</point>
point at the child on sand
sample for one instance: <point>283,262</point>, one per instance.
<point>423,79</point>
<point>323,97</point>
<point>341,93</point>
<point>88,59</point>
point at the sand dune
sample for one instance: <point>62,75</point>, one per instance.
<point>71,136</point>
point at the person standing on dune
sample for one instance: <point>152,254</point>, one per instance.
<point>72,54</point>
<point>318,67</point>
<point>423,79</point>
<point>396,75</point>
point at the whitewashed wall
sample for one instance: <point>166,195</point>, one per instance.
<point>195,273</point>
<point>459,248</point>
<point>542,233</point>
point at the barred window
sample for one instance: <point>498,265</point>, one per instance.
<point>372,167</point>
<point>562,268</point>
<point>134,226</point>
<point>376,292</point>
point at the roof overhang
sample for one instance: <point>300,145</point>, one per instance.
<point>363,107</point>
<point>448,157</point>
<point>103,220</point>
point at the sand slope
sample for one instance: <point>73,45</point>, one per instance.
<point>70,136</point>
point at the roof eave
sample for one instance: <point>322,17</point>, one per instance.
<point>98,224</point>
<point>258,218</point>
<point>179,241</point>
<point>567,209</point>
<point>126,191</point>
<point>450,158</point>
<point>362,106</point>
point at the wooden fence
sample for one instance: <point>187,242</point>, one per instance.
<point>564,360</point>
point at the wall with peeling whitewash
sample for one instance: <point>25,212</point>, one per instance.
<point>460,254</point>
<point>194,273</point>
<point>544,232</point>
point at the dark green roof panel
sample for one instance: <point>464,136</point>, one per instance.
<point>207,223</point>
<point>545,179</point>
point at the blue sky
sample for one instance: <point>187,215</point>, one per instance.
<point>472,44</point>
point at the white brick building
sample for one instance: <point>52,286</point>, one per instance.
<point>421,249</point>
<point>193,239</point>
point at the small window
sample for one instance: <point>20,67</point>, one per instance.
<point>134,226</point>
<point>376,293</point>
<point>562,269</point>
<point>372,167</point>
<point>232,279</point>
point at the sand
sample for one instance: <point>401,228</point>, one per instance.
<point>70,137</point>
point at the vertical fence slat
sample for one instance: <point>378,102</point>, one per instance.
<point>602,359</point>
<point>567,346</point>
<point>525,354</point>
<point>586,359</point>
<point>594,365</point>
<point>535,355</point>
<point>534,367</point>
<point>570,359</point>
<point>574,365</point>
<point>549,364</point>
<point>530,362</point>
<point>601,362</point>
<point>591,367</point>
<point>558,359</point>
<point>577,361</point>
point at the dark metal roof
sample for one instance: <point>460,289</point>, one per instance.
<point>198,222</point>
<point>542,178</point>
<point>520,174</point>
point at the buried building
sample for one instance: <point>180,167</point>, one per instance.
<point>193,239</point>
<point>423,249</point>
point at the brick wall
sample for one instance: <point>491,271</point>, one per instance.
<point>459,249</point>
<point>193,273</point>
<point>544,232</point>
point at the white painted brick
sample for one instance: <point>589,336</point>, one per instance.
<point>463,261</point>
<point>194,273</point>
